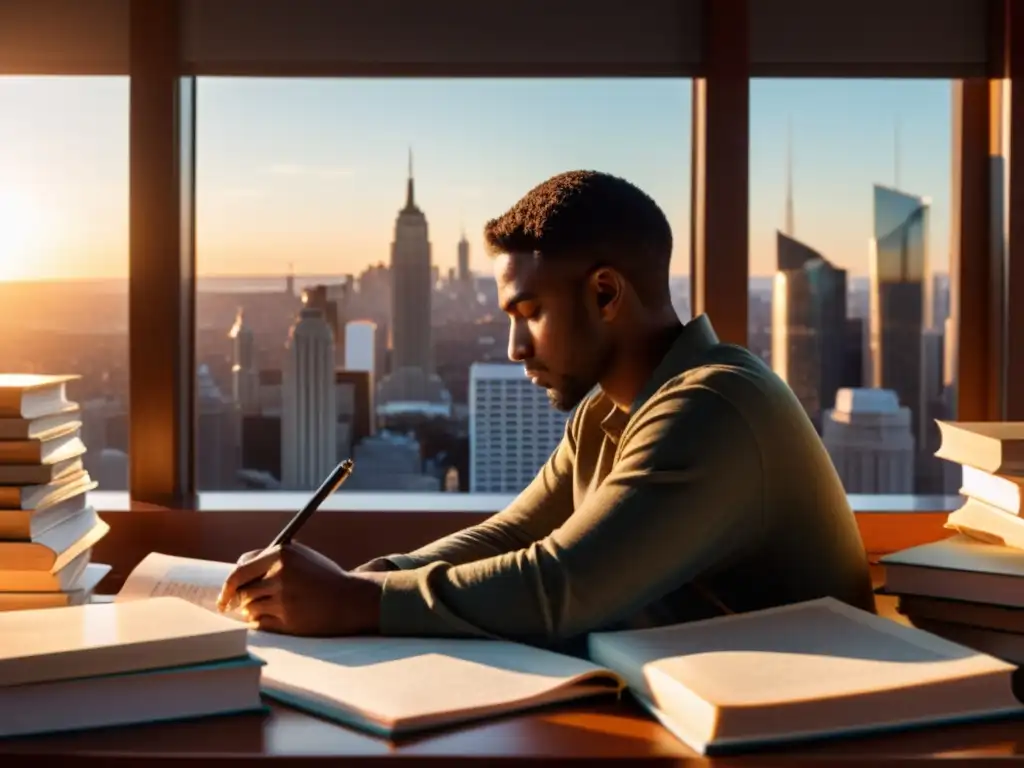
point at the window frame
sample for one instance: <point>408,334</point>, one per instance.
<point>163,45</point>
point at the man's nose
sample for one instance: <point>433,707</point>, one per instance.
<point>520,347</point>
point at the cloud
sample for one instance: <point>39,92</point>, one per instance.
<point>320,171</point>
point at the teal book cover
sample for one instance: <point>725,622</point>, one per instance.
<point>242,662</point>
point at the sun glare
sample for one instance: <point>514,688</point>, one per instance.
<point>17,229</point>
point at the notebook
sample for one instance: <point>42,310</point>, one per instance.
<point>1008,646</point>
<point>61,579</point>
<point>982,615</point>
<point>147,696</point>
<point>30,524</point>
<point>42,426</point>
<point>784,674</point>
<point>1001,491</point>
<point>29,396</point>
<point>79,593</point>
<point>984,522</point>
<point>52,450</point>
<point>39,474</point>
<point>105,664</point>
<point>57,546</point>
<point>991,446</point>
<point>958,568</point>
<point>47,644</point>
<point>42,495</point>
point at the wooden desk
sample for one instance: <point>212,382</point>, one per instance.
<point>603,729</point>
<point>607,730</point>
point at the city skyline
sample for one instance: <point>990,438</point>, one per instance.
<point>312,172</point>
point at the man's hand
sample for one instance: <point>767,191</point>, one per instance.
<point>297,591</point>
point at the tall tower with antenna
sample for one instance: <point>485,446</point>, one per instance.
<point>411,286</point>
<point>463,259</point>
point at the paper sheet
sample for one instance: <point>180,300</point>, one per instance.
<point>197,581</point>
<point>406,683</point>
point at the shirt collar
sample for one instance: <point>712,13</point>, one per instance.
<point>695,338</point>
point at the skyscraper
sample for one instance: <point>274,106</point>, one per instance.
<point>332,301</point>
<point>411,286</point>
<point>218,423</point>
<point>853,354</point>
<point>809,331</point>
<point>900,302</point>
<point>463,260</point>
<point>868,438</point>
<point>245,376</point>
<point>309,409</point>
<point>513,428</point>
<point>411,383</point>
<point>361,347</point>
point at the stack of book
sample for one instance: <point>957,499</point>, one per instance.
<point>47,528</point>
<point>992,457</point>
<point>969,588</point>
<point>108,664</point>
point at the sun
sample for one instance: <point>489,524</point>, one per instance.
<point>18,228</point>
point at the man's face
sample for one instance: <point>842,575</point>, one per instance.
<point>556,330</point>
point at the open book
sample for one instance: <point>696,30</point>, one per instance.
<point>800,672</point>
<point>386,685</point>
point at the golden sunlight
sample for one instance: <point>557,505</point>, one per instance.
<point>18,229</point>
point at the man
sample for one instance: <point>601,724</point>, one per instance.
<point>689,482</point>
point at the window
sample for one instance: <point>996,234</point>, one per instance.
<point>300,185</point>
<point>64,249</point>
<point>849,269</point>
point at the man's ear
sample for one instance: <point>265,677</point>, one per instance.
<point>609,288</point>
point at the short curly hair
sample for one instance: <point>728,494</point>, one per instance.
<point>594,216</point>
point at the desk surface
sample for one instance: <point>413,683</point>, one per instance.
<point>609,729</point>
<point>605,729</point>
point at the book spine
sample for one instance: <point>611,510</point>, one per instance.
<point>21,452</point>
<point>10,403</point>
<point>16,525</point>
<point>26,556</point>
<point>10,498</point>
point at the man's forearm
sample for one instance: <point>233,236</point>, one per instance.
<point>377,565</point>
<point>488,539</point>
<point>544,505</point>
<point>541,507</point>
<point>660,519</point>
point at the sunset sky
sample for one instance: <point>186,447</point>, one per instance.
<point>312,172</point>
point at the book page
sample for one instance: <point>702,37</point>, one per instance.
<point>404,683</point>
<point>817,650</point>
<point>197,581</point>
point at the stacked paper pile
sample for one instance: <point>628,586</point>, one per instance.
<point>969,588</point>
<point>47,528</point>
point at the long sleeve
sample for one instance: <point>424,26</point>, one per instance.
<point>685,495</point>
<point>540,508</point>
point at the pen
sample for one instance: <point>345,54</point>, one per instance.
<point>338,476</point>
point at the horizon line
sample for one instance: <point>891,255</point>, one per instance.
<point>298,276</point>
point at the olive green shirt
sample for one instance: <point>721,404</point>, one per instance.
<point>714,494</point>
